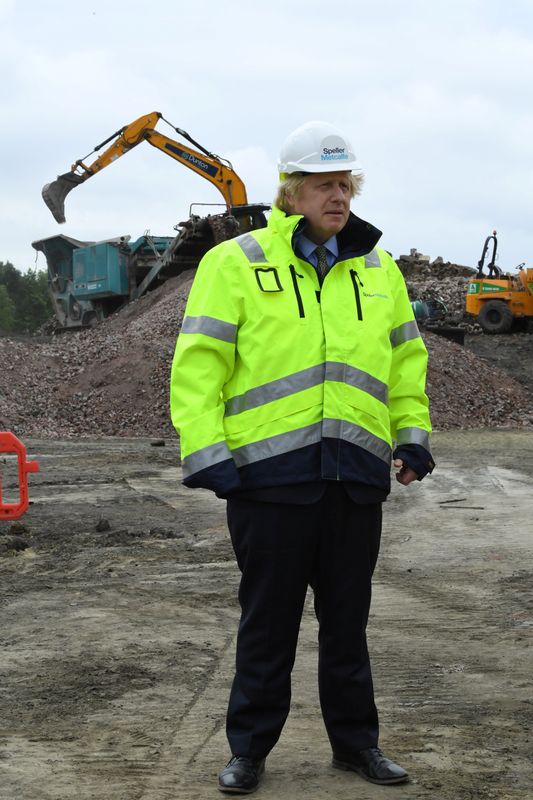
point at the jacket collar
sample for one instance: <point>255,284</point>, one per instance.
<point>357,238</point>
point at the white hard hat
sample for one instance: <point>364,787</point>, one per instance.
<point>317,147</point>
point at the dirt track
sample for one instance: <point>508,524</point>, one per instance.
<point>117,644</point>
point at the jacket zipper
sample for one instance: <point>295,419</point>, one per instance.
<point>356,280</point>
<point>295,276</point>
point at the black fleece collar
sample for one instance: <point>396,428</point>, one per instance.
<point>357,238</point>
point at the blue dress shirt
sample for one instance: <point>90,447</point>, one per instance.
<point>307,249</point>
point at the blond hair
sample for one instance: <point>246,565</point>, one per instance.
<point>292,185</point>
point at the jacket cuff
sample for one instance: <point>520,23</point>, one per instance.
<point>416,457</point>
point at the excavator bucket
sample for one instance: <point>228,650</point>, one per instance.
<point>54,193</point>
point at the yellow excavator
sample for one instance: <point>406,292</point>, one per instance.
<point>90,280</point>
<point>210,166</point>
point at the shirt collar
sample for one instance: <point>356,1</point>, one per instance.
<point>306,246</point>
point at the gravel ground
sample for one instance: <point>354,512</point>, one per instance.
<point>119,614</point>
<point>113,380</point>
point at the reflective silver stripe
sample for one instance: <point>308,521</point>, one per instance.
<point>372,259</point>
<point>355,434</point>
<point>337,371</point>
<point>413,436</point>
<point>274,390</point>
<point>251,248</point>
<point>403,333</point>
<point>206,457</point>
<point>210,326</point>
<point>277,445</point>
<point>306,379</point>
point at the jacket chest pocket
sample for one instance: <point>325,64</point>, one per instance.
<point>280,292</point>
<point>268,279</point>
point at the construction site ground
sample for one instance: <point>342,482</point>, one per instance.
<point>119,614</point>
<point>512,353</point>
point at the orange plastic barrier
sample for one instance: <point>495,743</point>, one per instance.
<point>10,444</point>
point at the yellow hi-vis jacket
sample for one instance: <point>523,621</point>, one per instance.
<point>278,381</point>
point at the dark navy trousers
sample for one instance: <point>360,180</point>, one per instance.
<point>331,545</point>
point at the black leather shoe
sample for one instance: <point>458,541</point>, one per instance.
<point>241,775</point>
<point>371,765</point>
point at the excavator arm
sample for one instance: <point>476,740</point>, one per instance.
<point>210,166</point>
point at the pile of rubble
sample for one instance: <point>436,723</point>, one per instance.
<point>113,380</point>
<point>439,280</point>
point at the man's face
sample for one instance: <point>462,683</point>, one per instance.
<point>324,200</point>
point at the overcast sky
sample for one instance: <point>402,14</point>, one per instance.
<point>435,95</point>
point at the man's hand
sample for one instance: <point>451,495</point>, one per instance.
<point>405,474</point>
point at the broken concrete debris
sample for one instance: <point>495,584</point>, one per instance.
<point>113,380</point>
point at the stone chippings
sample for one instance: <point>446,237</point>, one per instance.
<point>440,281</point>
<point>113,380</point>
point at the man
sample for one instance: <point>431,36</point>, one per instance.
<point>299,374</point>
